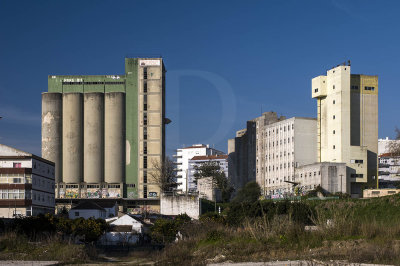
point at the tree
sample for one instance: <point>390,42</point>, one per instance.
<point>164,174</point>
<point>394,146</point>
<point>250,193</point>
<point>218,177</point>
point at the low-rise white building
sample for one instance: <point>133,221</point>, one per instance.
<point>330,176</point>
<point>26,183</point>
<point>125,230</point>
<point>86,210</point>
<point>183,156</point>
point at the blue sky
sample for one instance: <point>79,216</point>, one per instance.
<point>226,60</point>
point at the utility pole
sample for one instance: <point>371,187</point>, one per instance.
<point>15,206</point>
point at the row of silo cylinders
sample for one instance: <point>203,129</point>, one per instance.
<point>83,134</point>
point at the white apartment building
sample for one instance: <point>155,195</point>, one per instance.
<point>389,164</point>
<point>280,148</point>
<point>183,156</point>
<point>26,184</point>
<point>347,107</point>
<point>197,161</point>
<point>389,169</point>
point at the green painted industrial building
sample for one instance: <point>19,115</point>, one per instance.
<point>105,133</point>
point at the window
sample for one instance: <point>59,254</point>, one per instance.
<point>145,192</point>
<point>17,180</point>
<point>145,118</point>
<point>114,186</point>
<point>145,102</point>
<point>145,86</point>
<point>356,175</point>
<point>369,88</point>
<point>316,90</point>
<point>334,132</point>
<point>144,147</point>
<point>334,147</point>
<point>145,72</point>
<point>76,213</point>
<point>144,176</point>
<point>131,185</point>
<point>333,86</point>
<point>354,87</point>
<point>145,133</point>
<point>144,161</point>
<point>334,101</point>
<point>16,165</point>
<point>334,116</point>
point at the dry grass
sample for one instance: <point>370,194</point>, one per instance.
<point>18,247</point>
<point>342,235</point>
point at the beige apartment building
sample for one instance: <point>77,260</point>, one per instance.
<point>348,123</point>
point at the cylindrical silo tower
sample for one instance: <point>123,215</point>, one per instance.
<point>114,137</point>
<point>52,130</point>
<point>93,135</point>
<point>72,138</point>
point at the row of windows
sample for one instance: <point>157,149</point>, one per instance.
<point>277,130</point>
<point>353,87</point>
<point>268,156</point>
<point>95,83</point>
<point>14,179</point>
<point>356,175</point>
<point>15,194</point>
<point>41,197</point>
<point>357,161</point>
<point>278,142</point>
<point>280,180</point>
<point>43,167</point>
<point>43,183</point>
<point>310,174</point>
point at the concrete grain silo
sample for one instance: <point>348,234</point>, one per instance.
<point>72,128</point>
<point>114,137</point>
<point>104,131</point>
<point>93,145</point>
<point>52,130</point>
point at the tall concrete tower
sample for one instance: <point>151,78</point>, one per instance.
<point>348,123</point>
<point>105,132</point>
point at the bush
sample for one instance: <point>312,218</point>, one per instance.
<point>165,230</point>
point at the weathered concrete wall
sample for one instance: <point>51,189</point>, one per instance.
<point>52,130</point>
<point>93,149</point>
<point>72,132</point>
<point>179,204</point>
<point>114,138</point>
<point>207,191</point>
